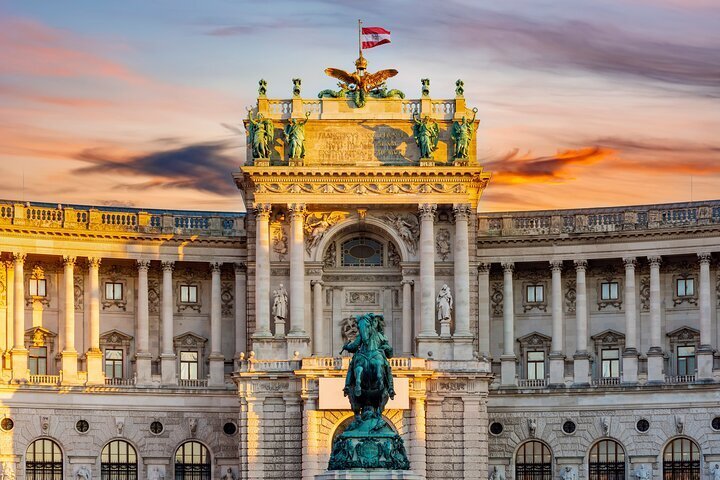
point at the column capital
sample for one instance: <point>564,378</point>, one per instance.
<point>317,282</point>
<point>68,261</point>
<point>629,262</point>
<point>215,267</point>
<point>654,260</point>
<point>508,266</point>
<point>240,268</point>
<point>461,210</point>
<point>19,257</point>
<point>9,264</point>
<point>408,282</point>
<point>556,265</point>
<point>484,268</point>
<point>94,262</point>
<point>167,265</point>
<point>704,258</point>
<point>262,210</point>
<point>297,209</point>
<point>580,265</point>
<point>143,265</point>
<point>427,210</point>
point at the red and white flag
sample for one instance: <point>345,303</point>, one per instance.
<point>374,36</point>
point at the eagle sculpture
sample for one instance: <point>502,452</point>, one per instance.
<point>360,83</point>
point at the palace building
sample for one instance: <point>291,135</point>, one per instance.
<point>159,344</point>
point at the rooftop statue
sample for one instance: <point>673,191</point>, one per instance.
<point>295,137</point>
<point>462,133</point>
<point>369,442</point>
<point>261,132</point>
<point>360,83</point>
<point>426,133</point>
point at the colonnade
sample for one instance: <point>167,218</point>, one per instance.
<point>143,356</point>
<point>581,356</point>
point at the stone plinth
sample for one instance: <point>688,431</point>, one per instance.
<point>369,474</point>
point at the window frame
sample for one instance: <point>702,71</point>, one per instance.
<point>34,360</point>
<point>681,469</point>
<point>532,470</point>
<point>612,361</point>
<point>113,291</point>
<point>535,288</point>
<point>118,470</point>
<point>41,469</point>
<point>189,287</point>
<point>196,363</point>
<point>609,284</point>
<point>121,361</point>
<point>192,470</point>
<point>686,282</point>
<point>678,358</point>
<point>607,470</point>
<point>536,365</point>
<point>379,251</point>
<point>36,282</point>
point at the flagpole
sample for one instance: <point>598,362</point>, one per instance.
<point>360,37</point>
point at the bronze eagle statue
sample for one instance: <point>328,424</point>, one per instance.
<point>359,82</point>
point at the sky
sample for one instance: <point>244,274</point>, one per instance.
<point>582,103</point>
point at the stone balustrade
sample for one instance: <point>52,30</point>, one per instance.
<point>595,220</point>
<point>84,218</point>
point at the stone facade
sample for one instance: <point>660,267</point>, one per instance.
<point>588,321</point>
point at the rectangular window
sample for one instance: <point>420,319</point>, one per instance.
<point>535,294</point>
<point>610,360</point>
<point>189,365</point>
<point>535,365</point>
<point>685,287</point>
<point>686,360</point>
<point>38,287</point>
<point>609,291</point>
<point>37,360</point>
<point>113,291</point>
<point>113,363</point>
<point>188,293</point>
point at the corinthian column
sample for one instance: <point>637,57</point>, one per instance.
<point>216,358</point>
<point>318,340</point>
<point>655,353</point>
<point>94,355</point>
<point>705,352</point>
<point>407,317</point>
<point>168,366</point>
<point>581,358</point>
<point>297,271</point>
<point>630,355</point>
<point>484,309</point>
<point>19,352</point>
<point>557,356</point>
<point>142,353</point>
<point>427,271</point>
<point>262,271</point>
<point>69,353</point>
<point>508,373</point>
<point>461,268</point>
<point>240,308</point>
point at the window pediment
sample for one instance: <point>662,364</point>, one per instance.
<point>684,334</point>
<point>189,339</point>
<point>115,338</point>
<point>39,337</point>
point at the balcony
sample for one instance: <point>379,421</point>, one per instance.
<point>679,379</point>
<point>532,382</point>
<point>605,381</point>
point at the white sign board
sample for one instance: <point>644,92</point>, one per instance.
<point>332,398</point>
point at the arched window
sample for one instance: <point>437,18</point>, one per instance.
<point>362,252</point>
<point>43,461</point>
<point>533,461</point>
<point>607,461</point>
<point>118,461</point>
<point>192,462</point>
<point>681,460</point>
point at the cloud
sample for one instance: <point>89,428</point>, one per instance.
<point>201,166</point>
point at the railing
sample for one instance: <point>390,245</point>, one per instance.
<point>532,382</point>
<point>119,219</point>
<point>192,223</point>
<point>44,379</point>
<point>46,216</point>
<point>6,211</point>
<point>679,379</point>
<point>193,382</point>
<point>314,107</point>
<point>120,382</point>
<point>444,108</point>
<point>253,365</point>
<point>410,107</point>
<point>280,107</point>
<point>606,381</point>
<point>646,217</point>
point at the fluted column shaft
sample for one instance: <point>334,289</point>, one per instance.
<point>630,305</point>
<point>508,310</point>
<point>484,309</point>
<point>262,272</point>
<point>69,310</point>
<point>94,287</point>
<point>215,312</point>
<point>427,271</point>
<point>581,311</point>
<point>297,271</point>
<point>143,324</point>
<point>557,306</point>
<point>461,267</point>
<point>240,308</point>
<point>655,299</point>
<point>167,308</point>
<point>19,302</point>
<point>705,303</point>
<point>318,340</point>
<point>407,316</point>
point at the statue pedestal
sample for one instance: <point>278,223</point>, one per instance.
<point>369,474</point>
<point>261,162</point>
<point>427,162</point>
<point>295,162</point>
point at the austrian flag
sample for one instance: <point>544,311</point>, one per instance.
<point>374,36</point>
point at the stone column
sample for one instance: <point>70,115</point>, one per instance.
<point>705,352</point>
<point>19,352</point>
<point>508,360</point>
<point>216,358</point>
<point>475,448</point>
<point>418,442</point>
<point>240,309</point>
<point>427,271</point>
<point>630,355</point>
<point>557,355</point>
<point>143,357</point>
<point>484,309</point>
<point>297,271</point>
<point>94,356</point>
<point>581,363</point>
<point>69,353</point>
<point>407,316</point>
<point>462,337</point>
<point>168,360</point>
<point>655,353</point>
<point>9,312</point>
<point>262,272</point>
<point>318,340</point>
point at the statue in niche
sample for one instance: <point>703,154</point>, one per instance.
<point>459,88</point>
<point>444,303</point>
<point>462,133</point>
<point>261,131</point>
<point>393,255</point>
<point>532,426</point>
<point>426,133</point>
<point>229,475</point>
<point>295,137</point>
<point>643,473</point>
<point>496,474</point>
<point>83,473</point>
<point>156,472</point>
<point>568,473</point>
<point>280,243</point>
<point>296,86</point>
<point>329,259</point>
<point>715,472</point>
<point>442,243</point>
<point>280,301</point>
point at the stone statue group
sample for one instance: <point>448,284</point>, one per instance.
<point>427,133</point>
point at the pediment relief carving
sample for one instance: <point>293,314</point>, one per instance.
<point>39,337</point>
<point>189,339</point>
<point>684,334</point>
<point>115,338</point>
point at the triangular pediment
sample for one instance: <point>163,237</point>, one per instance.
<point>534,339</point>
<point>684,333</point>
<point>115,336</point>
<point>608,336</point>
<point>189,339</point>
<point>39,336</point>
